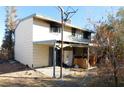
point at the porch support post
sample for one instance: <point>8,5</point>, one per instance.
<point>54,61</point>
<point>88,54</point>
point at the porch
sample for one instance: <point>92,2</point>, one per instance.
<point>74,53</point>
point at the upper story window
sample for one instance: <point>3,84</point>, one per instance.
<point>87,35</point>
<point>54,28</point>
<point>73,31</point>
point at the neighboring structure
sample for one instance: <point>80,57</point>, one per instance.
<point>38,41</point>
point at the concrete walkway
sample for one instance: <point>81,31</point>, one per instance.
<point>49,71</point>
<point>66,71</point>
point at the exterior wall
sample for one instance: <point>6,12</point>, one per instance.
<point>23,42</point>
<point>66,34</point>
<point>41,32</point>
<point>40,55</point>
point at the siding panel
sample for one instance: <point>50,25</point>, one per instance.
<point>40,55</point>
<point>23,42</point>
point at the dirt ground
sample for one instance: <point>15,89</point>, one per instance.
<point>14,74</point>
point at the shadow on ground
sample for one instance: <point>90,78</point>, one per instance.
<point>11,66</point>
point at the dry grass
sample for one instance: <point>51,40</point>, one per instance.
<point>18,75</point>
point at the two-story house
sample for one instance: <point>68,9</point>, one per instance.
<point>38,41</point>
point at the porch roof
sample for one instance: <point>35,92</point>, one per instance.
<point>48,42</point>
<point>66,43</point>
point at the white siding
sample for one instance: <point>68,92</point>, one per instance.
<point>41,32</point>
<point>40,55</point>
<point>67,33</point>
<point>23,42</point>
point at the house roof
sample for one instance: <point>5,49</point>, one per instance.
<point>55,21</point>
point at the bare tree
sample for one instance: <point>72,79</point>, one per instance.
<point>110,46</point>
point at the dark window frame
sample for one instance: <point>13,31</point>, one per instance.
<point>73,31</point>
<point>86,35</point>
<point>55,28</point>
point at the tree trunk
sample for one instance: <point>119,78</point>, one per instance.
<point>115,73</point>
